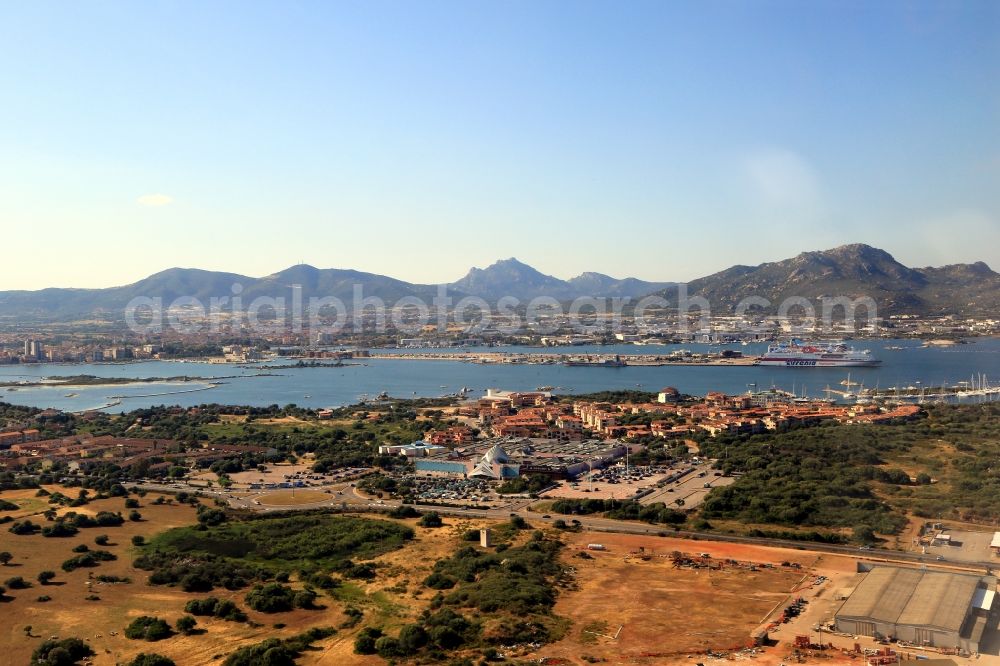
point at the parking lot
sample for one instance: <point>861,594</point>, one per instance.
<point>687,482</point>
<point>962,546</point>
<point>690,488</point>
<point>473,491</point>
<point>614,482</point>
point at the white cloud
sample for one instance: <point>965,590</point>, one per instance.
<point>155,200</point>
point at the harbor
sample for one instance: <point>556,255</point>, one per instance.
<point>913,373</point>
<point>680,357</point>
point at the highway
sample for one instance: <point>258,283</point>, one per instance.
<point>345,497</point>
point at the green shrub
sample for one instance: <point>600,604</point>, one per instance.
<point>364,642</point>
<point>17,583</point>
<point>23,527</point>
<point>185,624</point>
<point>143,659</point>
<point>431,519</point>
<point>65,652</point>
<point>277,598</point>
<point>149,628</point>
<point>276,652</point>
<point>404,511</point>
<point>59,529</point>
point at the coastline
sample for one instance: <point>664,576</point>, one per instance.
<point>531,358</point>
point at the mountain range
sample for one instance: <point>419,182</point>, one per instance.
<point>856,271</point>
<point>850,270</point>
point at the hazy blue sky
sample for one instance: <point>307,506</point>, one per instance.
<point>664,140</point>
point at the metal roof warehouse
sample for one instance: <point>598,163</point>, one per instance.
<point>933,608</point>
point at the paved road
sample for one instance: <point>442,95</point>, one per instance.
<point>347,498</point>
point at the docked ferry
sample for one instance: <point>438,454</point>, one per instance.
<point>798,354</point>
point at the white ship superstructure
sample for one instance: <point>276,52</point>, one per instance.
<point>798,354</point>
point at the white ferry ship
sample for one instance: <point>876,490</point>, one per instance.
<point>796,354</point>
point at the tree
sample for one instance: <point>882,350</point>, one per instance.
<point>271,598</point>
<point>185,624</point>
<point>865,534</point>
<point>131,503</point>
<point>211,517</point>
<point>59,528</point>
<point>5,558</point>
<point>45,577</point>
<point>412,637</point>
<point>431,519</point>
<point>65,652</point>
<point>102,539</point>
<point>923,479</point>
<point>304,599</point>
<point>138,540</point>
<point>365,641</point>
<point>23,527</point>
<point>143,659</point>
<point>388,647</point>
<point>147,627</point>
<point>134,516</point>
<point>17,583</point>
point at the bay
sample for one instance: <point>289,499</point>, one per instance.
<point>912,365</point>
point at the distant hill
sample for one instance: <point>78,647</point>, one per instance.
<point>504,278</point>
<point>600,285</point>
<point>850,270</point>
<point>510,277</point>
<point>855,271</point>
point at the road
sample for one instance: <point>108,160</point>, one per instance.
<point>345,497</point>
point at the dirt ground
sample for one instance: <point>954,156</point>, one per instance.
<point>392,600</point>
<point>276,473</point>
<point>666,613</point>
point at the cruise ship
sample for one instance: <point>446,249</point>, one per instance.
<point>798,354</point>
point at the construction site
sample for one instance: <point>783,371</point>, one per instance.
<point>669,603</point>
<point>701,602</point>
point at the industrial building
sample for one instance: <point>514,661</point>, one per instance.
<point>921,607</point>
<point>510,458</point>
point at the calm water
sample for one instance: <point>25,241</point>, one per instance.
<point>327,387</point>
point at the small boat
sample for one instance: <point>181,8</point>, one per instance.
<point>71,395</point>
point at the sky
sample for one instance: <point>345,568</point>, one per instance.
<point>660,140</point>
